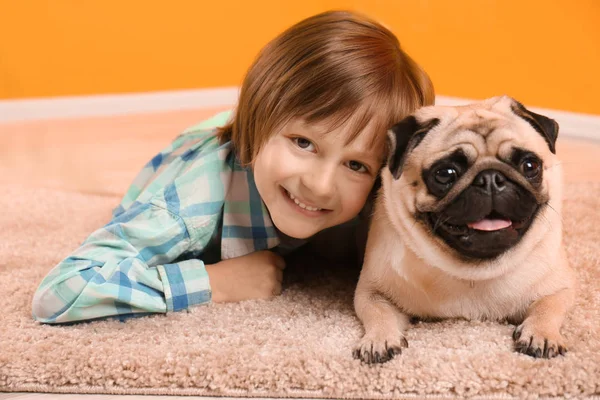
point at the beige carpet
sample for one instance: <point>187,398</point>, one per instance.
<point>298,345</point>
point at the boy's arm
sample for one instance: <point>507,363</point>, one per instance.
<point>126,268</point>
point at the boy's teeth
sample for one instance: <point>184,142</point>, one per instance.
<point>302,205</point>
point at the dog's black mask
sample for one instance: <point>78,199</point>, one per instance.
<point>490,198</point>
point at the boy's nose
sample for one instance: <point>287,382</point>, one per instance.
<point>320,182</point>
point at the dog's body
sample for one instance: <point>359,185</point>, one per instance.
<point>467,224</point>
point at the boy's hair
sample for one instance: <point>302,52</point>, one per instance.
<point>329,67</point>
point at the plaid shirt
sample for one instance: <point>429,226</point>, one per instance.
<point>192,200</point>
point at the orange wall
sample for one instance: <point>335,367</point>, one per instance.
<point>545,53</point>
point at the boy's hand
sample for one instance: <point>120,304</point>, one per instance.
<point>254,276</point>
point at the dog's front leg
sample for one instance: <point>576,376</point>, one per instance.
<point>539,334</point>
<point>384,327</point>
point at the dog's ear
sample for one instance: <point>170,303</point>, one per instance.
<point>545,126</point>
<point>402,138</point>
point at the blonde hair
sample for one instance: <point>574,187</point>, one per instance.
<point>328,67</point>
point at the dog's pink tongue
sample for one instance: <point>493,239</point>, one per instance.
<point>490,224</point>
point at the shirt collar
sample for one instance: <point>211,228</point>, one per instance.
<point>247,225</point>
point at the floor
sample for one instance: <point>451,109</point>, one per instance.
<point>48,396</point>
<point>85,155</point>
<point>81,154</point>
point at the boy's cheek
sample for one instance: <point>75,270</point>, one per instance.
<point>354,199</point>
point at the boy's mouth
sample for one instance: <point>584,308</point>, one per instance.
<point>301,204</point>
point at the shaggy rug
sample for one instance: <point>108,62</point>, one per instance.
<point>297,345</point>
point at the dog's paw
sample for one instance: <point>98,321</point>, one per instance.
<point>372,349</point>
<point>539,343</point>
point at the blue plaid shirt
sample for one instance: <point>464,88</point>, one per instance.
<point>192,203</point>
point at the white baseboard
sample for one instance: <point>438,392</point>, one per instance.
<point>115,104</point>
<point>574,125</point>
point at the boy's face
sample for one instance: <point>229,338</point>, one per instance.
<point>310,179</point>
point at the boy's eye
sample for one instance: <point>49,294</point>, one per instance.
<point>304,144</point>
<point>356,166</point>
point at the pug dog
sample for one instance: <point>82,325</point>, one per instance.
<point>467,224</point>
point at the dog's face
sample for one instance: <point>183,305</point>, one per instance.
<point>475,178</point>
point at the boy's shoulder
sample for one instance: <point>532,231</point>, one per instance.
<point>210,124</point>
<point>192,168</point>
<point>203,163</point>
<point>202,133</point>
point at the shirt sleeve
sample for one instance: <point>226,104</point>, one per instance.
<point>127,267</point>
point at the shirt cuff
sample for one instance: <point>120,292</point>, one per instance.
<point>185,284</point>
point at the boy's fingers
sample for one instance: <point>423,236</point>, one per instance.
<point>279,275</point>
<point>279,261</point>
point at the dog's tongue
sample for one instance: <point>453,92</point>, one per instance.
<point>490,224</point>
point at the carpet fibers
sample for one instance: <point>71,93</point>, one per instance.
<point>298,345</point>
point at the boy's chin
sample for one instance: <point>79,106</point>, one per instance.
<point>297,232</point>
<point>296,229</point>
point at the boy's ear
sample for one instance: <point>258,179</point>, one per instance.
<point>545,126</point>
<point>402,138</point>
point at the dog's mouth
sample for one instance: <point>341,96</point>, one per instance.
<point>490,223</point>
<point>482,238</point>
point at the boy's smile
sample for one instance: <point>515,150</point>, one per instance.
<point>311,179</point>
<point>303,206</point>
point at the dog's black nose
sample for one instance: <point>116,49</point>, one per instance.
<point>491,180</point>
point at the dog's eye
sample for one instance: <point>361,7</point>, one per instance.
<point>446,176</point>
<point>530,168</point>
